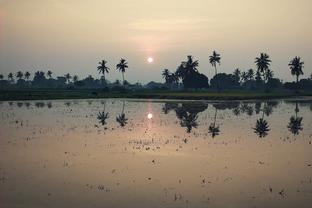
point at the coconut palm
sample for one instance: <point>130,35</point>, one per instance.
<point>27,75</point>
<point>213,129</point>
<point>102,68</point>
<point>121,119</point>
<point>268,74</point>
<point>237,74</point>
<point>11,77</point>
<point>189,121</point>
<point>250,74</point>
<point>19,75</point>
<point>296,66</point>
<point>68,77</point>
<point>263,63</point>
<point>102,116</point>
<point>122,66</point>
<point>75,78</point>
<point>295,122</point>
<point>49,73</point>
<point>190,65</point>
<point>213,60</point>
<point>262,126</point>
<point>166,75</point>
<point>244,76</point>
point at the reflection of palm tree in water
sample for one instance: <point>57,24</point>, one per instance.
<point>213,129</point>
<point>295,125</point>
<point>102,116</point>
<point>262,126</point>
<point>187,113</point>
<point>121,119</point>
<point>189,121</point>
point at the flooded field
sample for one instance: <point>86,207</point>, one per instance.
<point>156,153</point>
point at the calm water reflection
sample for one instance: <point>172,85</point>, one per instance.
<point>153,153</point>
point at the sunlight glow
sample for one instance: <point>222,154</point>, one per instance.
<point>150,60</point>
<point>149,116</point>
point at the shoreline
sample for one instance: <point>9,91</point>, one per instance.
<point>59,94</point>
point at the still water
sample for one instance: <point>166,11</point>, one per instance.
<point>156,153</point>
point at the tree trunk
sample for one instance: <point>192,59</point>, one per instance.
<point>123,79</point>
<point>217,78</point>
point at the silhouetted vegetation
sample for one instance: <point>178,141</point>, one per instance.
<point>185,78</point>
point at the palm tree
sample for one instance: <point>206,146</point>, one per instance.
<point>189,121</point>
<point>11,77</point>
<point>19,75</point>
<point>213,129</point>
<point>67,77</point>
<point>49,73</point>
<point>122,66</point>
<point>166,75</point>
<point>296,66</point>
<point>250,74</point>
<point>190,66</point>
<point>27,75</point>
<point>295,125</point>
<point>75,78</point>
<point>237,74</point>
<point>263,63</point>
<point>244,76</point>
<point>213,60</point>
<point>1,76</point>
<point>102,116</point>
<point>268,74</point>
<point>262,127</point>
<point>102,68</point>
<point>121,119</point>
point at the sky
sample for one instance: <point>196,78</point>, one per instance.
<point>72,36</point>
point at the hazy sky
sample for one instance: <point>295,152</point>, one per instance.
<point>74,35</point>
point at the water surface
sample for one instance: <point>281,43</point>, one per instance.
<point>156,153</point>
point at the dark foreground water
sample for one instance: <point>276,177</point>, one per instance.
<point>151,153</point>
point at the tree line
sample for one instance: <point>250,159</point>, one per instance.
<point>185,76</point>
<point>188,74</point>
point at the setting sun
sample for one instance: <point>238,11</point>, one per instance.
<point>150,60</point>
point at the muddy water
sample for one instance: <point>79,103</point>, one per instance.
<point>152,153</point>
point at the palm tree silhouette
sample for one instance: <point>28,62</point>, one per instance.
<point>190,66</point>
<point>121,119</point>
<point>237,75</point>
<point>262,127</point>
<point>27,75</point>
<point>189,121</point>
<point>213,60</point>
<point>102,116</point>
<point>213,129</point>
<point>250,74</point>
<point>19,75</point>
<point>166,75</point>
<point>122,66</point>
<point>295,125</point>
<point>102,68</point>
<point>49,73</point>
<point>75,78</point>
<point>263,63</point>
<point>67,77</point>
<point>11,76</point>
<point>296,66</point>
<point>244,76</point>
